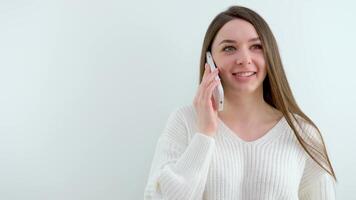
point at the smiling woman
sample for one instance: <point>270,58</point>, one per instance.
<point>256,47</point>
<point>261,146</point>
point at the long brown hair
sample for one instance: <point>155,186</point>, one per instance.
<point>276,89</point>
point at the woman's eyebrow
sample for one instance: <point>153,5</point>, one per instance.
<point>233,41</point>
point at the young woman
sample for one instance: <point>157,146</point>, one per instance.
<point>260,146</point>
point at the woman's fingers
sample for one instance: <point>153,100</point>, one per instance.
<point>207,85</point>
<point>209,90</point>
<point>207,71</point>
<point>209,77</point>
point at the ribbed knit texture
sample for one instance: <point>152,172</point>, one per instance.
<point>190,165</point>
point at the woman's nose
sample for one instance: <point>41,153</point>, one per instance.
<point>243,58</point>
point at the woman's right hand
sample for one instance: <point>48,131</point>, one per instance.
<point>207,114</point>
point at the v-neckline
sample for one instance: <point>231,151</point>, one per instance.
<point>270,134</point>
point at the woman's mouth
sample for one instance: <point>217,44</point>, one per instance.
<point>244,76</point>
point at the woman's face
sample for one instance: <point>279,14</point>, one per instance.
<point>236,48</point>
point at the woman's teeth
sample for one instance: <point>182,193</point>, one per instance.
<point>245,74</point>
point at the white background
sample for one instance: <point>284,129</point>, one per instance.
<point>87,86</point>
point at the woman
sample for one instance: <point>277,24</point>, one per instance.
<point>260,146</point>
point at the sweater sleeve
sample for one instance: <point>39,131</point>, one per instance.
<point>316,183</point>
<point>179,168</point>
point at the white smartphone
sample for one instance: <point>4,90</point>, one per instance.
<point>218,93</point>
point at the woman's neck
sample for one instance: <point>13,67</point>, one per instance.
<point>248,110</point>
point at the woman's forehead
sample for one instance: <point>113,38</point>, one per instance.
<point>237,30</point>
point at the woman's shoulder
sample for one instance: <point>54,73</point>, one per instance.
<point>186,111</point>
<point>186,115</point>
<point>306,129</point>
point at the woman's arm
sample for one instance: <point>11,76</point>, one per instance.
<point>316,183</point>
<point>179,170</point>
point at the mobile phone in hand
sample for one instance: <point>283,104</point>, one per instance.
<point>218,93</point>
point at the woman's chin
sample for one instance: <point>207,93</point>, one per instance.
<point>242,88</point>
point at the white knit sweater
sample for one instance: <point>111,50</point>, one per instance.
<point>190,165</point>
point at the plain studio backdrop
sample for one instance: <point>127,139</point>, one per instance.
<point>87,87</point>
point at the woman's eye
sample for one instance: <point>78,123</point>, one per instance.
<point>228,47</point>
<point>231,48</point>
<point>258,46</point>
